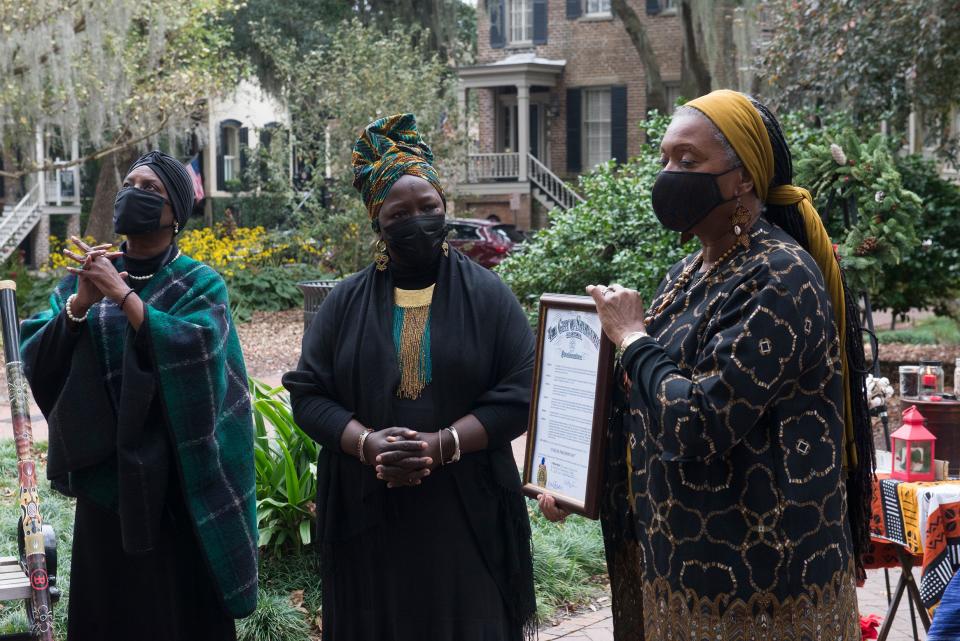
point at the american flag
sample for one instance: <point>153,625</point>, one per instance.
<point>193,168</point>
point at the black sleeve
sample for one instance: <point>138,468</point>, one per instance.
<point>49,368</point>
<point>504,410</point>
<point>311,385</point>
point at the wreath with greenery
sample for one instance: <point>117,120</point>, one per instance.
<point>847,171</point>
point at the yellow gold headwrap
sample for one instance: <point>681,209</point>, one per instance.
<point>740,123</point>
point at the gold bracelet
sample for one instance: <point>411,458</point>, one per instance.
<point>363,439</point>
<point>627,341</point>
<point>456,444</point>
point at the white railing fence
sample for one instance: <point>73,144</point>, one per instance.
<point>483,167</point>
<point>552,185</point>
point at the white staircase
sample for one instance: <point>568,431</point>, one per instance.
<point>17,222</point>
<point>548,188</point>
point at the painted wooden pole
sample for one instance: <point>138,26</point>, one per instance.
<point>32,523</point>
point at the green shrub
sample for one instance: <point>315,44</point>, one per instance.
<point>269,288</point>
<point>286,471</point>
<point>275,619</point>
<point>929,331</point>
<point>568,558</point>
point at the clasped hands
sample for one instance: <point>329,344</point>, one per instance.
<point>97,277</point>
<point>403,457</point>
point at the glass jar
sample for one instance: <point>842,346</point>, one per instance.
<point>956,379</point>
<point>931,378</point>
<point>909,381</point>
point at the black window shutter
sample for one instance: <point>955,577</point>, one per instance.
<point>618,123</point>
<point>244,154</point>
<point>653,7</point>
<point>221,141</point>
<point>540,22</point>
<point>574,9</point>
<point>497,37</point>
<point>574,124</point>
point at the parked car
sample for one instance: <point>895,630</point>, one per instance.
<point>484,241</point>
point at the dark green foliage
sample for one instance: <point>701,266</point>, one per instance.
<point>270,288</point>
<point>275,619</point>
<point>929,331</point>
<point>268,210</point>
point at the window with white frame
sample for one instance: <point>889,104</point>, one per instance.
<point>598,7</point>
<point>521,21</point>
<point>596,126</point>
<point>231,153</point>
<point>668,5</point>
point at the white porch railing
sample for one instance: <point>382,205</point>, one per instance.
<point>484,167</point>
<point>550,184</point>
<point>16,223</point>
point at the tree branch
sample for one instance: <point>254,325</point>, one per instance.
<point>656,93</point>
<point>693,63</point>
<point>112,149</point>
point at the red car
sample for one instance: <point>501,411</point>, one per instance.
<point>484,241</point>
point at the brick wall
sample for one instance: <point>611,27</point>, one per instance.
<point>598,53</point>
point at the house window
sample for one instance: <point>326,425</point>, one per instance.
<point>521,21</point>
<point>668,5</point>
<point>598,7</point>
<point>596,126</point>
<point>231,153</point>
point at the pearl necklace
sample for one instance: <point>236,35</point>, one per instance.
<point>684,279</point>
<point>149,276</point>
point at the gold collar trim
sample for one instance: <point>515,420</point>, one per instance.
<point>408,298</point>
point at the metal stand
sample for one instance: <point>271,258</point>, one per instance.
<point>908,585</point>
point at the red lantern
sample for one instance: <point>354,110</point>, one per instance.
<point>912,449</point>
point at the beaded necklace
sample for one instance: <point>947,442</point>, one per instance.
<point>149,276</point>
<point>684,279</point>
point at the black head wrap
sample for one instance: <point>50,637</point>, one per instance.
<point>175,178</point>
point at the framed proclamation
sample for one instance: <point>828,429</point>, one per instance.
<point>572,389</point>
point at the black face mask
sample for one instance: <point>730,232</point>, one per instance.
<point>416,242</point>
<point>681,199</point>
<point>137,211</point>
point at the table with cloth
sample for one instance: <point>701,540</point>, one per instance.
<point>916,523</point>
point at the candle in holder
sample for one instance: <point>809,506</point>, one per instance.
<point>931,378</point>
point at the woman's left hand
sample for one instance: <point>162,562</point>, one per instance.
<point>620,309</point>
<point>100,271</point>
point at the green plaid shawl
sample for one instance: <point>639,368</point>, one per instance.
<point>203,386</point>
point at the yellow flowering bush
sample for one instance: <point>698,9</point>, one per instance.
<point>245,247</point>
<point>57,261</point>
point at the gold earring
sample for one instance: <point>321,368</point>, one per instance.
<point>446,249</point>
<point>381,257</point>
<point>739,220</point>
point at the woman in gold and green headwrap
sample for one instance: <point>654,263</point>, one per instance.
<point>739,472</point>
<point>415,376</point>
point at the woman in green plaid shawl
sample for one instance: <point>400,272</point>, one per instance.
<point>137,368</point>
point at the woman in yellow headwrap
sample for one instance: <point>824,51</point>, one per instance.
<point>415,376</point>
<point>744,431</point>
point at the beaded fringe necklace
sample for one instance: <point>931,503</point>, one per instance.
<point>684,278</point>
<point>411,339</point>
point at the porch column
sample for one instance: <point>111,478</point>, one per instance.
<point>74,156</point>
<point>464,126</point>
<point>523,128</point>
<point>40,159</point>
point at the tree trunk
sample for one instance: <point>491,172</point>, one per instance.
<point>656,93</point>
<point>696,79</point>
<point>100,223</point>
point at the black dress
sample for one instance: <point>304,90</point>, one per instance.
<point>448,560</point>
<point>165,593</point>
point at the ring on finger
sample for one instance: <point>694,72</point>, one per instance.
<point>607,290</point>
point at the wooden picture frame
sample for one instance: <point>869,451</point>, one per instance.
<point>563,422</point>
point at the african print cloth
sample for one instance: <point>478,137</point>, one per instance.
<point>924,518</point>
<point>733,437</point>
<point>388,149</point>
<point>204,393</point>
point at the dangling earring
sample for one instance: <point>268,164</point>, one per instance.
<point>739,220</point>
<point>381,257</point>
<point>446,249</point>
<point>176,227</point>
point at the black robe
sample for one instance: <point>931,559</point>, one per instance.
<point>726,515</point>
<point>482,352</point>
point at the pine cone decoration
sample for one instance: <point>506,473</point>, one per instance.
<point>838,156</point>
<point>868,246</point>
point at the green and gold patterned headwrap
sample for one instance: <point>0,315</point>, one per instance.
<point>388,149</point>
